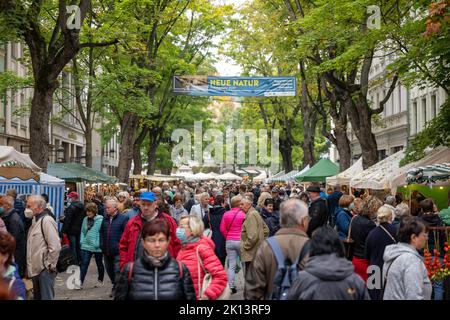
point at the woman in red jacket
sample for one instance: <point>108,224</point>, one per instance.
<point>194,247</point>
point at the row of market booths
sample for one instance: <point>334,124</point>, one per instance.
<point>19,172</point>
<point>430,176</point>
<point>146,181</point>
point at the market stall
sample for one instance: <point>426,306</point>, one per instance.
<point>83,179</point>
<point>319,172</point>
<point>279,174</point>
<point>140,181</point>
<point>286,177</point>
<point>19,172</point>
<point>345,176</point>
<point>228,177</point>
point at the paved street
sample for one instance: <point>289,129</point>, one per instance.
<point>62,291</point>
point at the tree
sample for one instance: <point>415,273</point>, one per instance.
<point>52,45</point>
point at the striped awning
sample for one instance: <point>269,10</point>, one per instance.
<point>431,173</point>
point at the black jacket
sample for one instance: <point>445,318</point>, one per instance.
<point>15,227</point>
<point>272,220</point>
<point>434,220</point>
<point>276,203</point>
<point>328,277</point>
<point>318,212</point>
<point>216,213</point>
<point>151,283</point>
<point>361,226</point>
<point>110,233</point>
<point>376,242</point>
<point>73,219</point>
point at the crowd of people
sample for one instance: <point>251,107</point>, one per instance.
<point>189,240</point>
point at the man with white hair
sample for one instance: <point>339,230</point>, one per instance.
<point>391,203</point>
<point>291,238</point>
<point>202,208</point>
<point>43,248</point>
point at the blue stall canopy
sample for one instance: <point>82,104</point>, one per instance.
<point>19,172</point>
<point>235,86</point>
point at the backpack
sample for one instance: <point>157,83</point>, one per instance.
<point>286,271</point>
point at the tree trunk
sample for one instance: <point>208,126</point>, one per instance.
<point>361,120</point>
<point>286,154</point>
<point>88,154</point>
<point>128,128</point>
<point>137,158</point>
<point>343,147</point>
<point>309,120</point>
<point>151,155</point>
<point>41,107</point>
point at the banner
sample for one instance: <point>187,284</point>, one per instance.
<point>235,86</point>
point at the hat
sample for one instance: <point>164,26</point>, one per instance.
<point>313,189</point>
<point>73,194</point>
<point>148,196</point>
<point>275,189</point>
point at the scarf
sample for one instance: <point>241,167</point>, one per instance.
<point>193,239</point>
<point>90,223</point>
<point>155,262</point>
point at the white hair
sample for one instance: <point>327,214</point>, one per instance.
<point>38,201</point>
<point>112,202</point>
<point>292,212</point>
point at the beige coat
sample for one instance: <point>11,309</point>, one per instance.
<point>42,255</point>
<point>259,280</point>
<point>254,231</point>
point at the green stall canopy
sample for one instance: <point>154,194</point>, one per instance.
<point>75,172</point>
<point>318,172</point>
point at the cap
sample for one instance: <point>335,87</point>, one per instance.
<point>73,194</point>
<point>148,196</point>
<point>275,189</point>
<point>313,189</point>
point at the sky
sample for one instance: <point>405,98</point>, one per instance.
<point>226,66</point>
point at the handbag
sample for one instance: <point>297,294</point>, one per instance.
<point>349,243</point>
<point>207,281</point>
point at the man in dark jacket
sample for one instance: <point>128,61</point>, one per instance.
<point>318,209</point>
<point>14,226</point>
<point>327,275</point>
<point>333,204</point>
<point>73,220</point>
<point>19,206</point>
<point>111,231</point>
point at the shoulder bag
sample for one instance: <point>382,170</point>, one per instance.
<point>349,242</point>
<point>202,285</point>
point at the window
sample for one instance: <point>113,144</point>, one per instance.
<point>415,120</point>
<point>424,112</point>
<point>382,154</point>
<point>396,149</point>
<point>433,106</point>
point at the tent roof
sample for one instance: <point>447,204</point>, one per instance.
<point>286,177</point>
<point>318,172</point>
<point>75,172</point>
<point>438,155</point>
<point>261,176</point>
<point>279,174</point>
<point>431,173</point>
<point>48,179</point>
<point>9,154</point>
<point>228,176</point>
<point>380,175</point>
<point>345,176</point>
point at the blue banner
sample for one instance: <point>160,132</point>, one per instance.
<point>235,86</point>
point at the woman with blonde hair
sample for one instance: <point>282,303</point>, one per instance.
<point>378,239</point>
<point>197,253</point>
<point>262,198</point>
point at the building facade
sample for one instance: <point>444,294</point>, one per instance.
<point>404,116</point>
<point>65,130</point>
